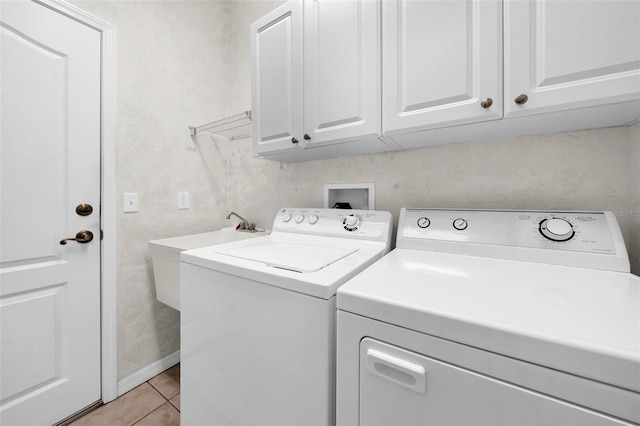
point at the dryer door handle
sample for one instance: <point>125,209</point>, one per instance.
<point>397,370</point>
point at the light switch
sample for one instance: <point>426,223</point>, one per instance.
<point>130,202</point>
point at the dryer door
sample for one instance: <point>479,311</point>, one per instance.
<point>401,387</point>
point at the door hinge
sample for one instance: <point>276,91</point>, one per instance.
<point>101,235</point>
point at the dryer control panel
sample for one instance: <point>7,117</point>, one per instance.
<point>359,224</point>
<point>574,238</point>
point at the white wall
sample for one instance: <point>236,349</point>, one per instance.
<point>589,171</point>
<point>186,63</point>
<point>634,212</point>
<point>172,72</point>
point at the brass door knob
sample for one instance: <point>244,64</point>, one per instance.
<point>521,99</point>
<point>307,137</point>
<point>486,102</point>
<point>82,237</point>
<point>84,209</point>
<point>294,140</point>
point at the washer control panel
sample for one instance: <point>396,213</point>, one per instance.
<point>361,224</point>
<point>570,231</point>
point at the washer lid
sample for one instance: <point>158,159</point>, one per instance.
<point>578,320</point>
<point>308,264</point>
<point>296,257</point>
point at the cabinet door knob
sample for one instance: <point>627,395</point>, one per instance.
<point>486,102</point>
<point>294,140</point>
<point>307,137</point>
<point>521,99</point>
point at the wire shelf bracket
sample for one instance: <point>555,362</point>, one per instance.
<point>233,127</point>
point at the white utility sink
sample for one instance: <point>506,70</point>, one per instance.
<point>165,255</point>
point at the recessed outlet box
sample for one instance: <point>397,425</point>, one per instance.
<point>355,195</point>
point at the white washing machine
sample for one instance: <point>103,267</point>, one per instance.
<point>258,318</point>
<point>492,318</point>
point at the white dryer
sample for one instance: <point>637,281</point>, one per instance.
<point>492,318</point>
<point>258,318</point>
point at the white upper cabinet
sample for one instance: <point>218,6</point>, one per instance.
<point>442,63</point>
<point>341,70</point>
<point>276,48</point>
<point>316,80</point>
<point>570,54</point>
<point>342,77</point>
<point>567,64</point>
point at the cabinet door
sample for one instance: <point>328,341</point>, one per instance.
<point>440,60</point>
<point>276,50</point>
<point>341,70</point>
<point>570,54</point>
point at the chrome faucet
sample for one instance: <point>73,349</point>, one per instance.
<point>244,223</point>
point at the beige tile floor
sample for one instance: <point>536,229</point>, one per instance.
<point>153,403</point>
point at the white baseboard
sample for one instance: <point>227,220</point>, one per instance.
<point>146,373</point>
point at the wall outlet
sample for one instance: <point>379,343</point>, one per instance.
<point>130,202</point>
<point>183,200</point>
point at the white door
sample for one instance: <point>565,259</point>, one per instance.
<point>570,54</point>
<point>341,70</point>
<point>276,52</point>
<point>50,159</point>
<point>441,60</point>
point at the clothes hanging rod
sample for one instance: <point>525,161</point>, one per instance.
<point>224,126</point>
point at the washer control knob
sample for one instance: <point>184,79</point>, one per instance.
<point>313,219</point>
<point>286,217</point>
<point>460,224</point>
<point>299,218</point>
<point>350,222</point>
<point>424,222</point>
<point>556,229</point>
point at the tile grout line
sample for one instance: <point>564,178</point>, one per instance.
<point>158,390</point>
<point>166,398</point>
<point>174,405</point>
<point>158,407</point>
<point>146,415</point>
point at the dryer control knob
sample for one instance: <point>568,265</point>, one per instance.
<point>556,229</point>
<point>286,217</point>
<point>313,219</point>
<point>299,218</point>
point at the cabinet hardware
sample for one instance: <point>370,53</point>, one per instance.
<point>486,102</point>
<point>521,99</point>
<point>294,140</point>
<point>307,137</point>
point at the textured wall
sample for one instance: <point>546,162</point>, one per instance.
<point>172,72</point>
<point>184,63</point>
<point>590,170</point>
